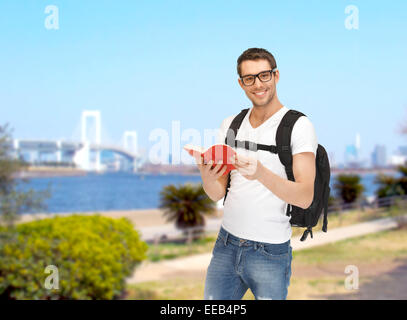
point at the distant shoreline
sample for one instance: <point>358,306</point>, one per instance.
<point>43,172</point>
<point>39,172</point>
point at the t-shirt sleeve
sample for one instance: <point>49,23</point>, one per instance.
<point>304,137</point>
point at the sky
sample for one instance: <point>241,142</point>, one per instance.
<point>146,64</point>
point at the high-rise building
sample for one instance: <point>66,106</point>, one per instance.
<point>351,154</point>
<point>403,150</point>
<point>379,158</point>
<point>397,159</point>
<point>331,158</point>
<point>353,157</point>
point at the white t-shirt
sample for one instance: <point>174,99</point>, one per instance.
<point>251,210</point>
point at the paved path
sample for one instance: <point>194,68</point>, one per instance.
<point>168,229</point>
<point>197,264</point>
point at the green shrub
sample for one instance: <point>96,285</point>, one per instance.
<point>93,254</point>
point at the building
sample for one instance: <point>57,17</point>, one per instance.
<point>403,150</point>
<point>379,158</point>
<point>350,153</point>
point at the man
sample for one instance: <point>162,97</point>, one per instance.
<point>253,246</point>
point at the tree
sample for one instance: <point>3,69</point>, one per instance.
<point>13,200</point>
<point>349,188</point>
<point>402,180</point>
<point>186,204</point>
<point>390,186</point>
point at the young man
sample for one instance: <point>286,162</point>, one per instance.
<point>253,246</point>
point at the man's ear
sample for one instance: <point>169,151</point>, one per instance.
<point>277,76</point>
<point>240,83</point>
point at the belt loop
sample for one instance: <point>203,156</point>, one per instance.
<point>255,246</point>
<point>226,237</point>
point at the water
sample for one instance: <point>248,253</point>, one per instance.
<point>110,191</point>
<point>122,191</point>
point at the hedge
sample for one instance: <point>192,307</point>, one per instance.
<point>93,254</point>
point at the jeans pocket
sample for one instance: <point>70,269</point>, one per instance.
<point>276,251</point>
<point>219,241</point>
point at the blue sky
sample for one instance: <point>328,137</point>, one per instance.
<point>144,64</point>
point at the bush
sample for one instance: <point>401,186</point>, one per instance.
<point>398,212</point>
<point>93,254</point>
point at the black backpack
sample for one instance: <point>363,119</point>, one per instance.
<point>304,218</point>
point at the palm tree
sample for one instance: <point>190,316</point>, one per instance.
<point>186,204</point>
<point>391,186</point>
<point>388,186</point>
<point>402,181</point>
<point>349,188</point>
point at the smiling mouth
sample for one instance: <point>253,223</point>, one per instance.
<point>260,93</point>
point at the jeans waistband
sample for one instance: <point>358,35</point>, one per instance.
<point>227,237</point>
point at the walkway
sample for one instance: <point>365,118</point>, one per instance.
<point>198,264</point>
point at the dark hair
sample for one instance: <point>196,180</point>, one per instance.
<point>255,54</point>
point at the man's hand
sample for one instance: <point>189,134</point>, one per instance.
<point>208,174</point>
<point>248,167</point>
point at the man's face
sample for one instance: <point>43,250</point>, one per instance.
<point>260,93</point>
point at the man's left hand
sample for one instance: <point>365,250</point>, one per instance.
<point>248,167</point>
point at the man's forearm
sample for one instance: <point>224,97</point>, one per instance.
<point>295,193</point>
<point>214,190</point>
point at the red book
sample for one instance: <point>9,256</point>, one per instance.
<point>216,152</point>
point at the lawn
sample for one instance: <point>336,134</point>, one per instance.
<point>157,252</point>
<point>318,273</point>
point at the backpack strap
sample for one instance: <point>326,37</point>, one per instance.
<point>231,138</point>
<point>325,223</point>
<point>305,234</point>
<point>249,145</point>
<point>283,142</point>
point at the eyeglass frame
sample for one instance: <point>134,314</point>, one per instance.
<point>257,76</point>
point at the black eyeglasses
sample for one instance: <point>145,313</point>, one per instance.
<point>263,76</point>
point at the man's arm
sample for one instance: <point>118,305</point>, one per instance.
<point>213,181</point>
<point>216,189</point>
<point>299,193</point>
<point>215,184</point>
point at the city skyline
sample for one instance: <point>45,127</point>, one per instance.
<point>146,65</point>
<point>377,157</point>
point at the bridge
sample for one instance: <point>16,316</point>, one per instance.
<point>85,154</point>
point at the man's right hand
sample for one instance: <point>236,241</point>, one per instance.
<point>210,175</point>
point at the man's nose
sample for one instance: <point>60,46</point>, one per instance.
<point>257,83</point>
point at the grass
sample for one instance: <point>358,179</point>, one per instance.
<point>338,219</point>
<point>315,288</point>
<point>172,289</point>
<point>371,248</point>
<point>317,272</point>
<point>163,251</point>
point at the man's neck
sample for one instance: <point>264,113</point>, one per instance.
<point>260,114</point>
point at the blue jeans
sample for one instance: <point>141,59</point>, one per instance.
<point>238,264</point>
